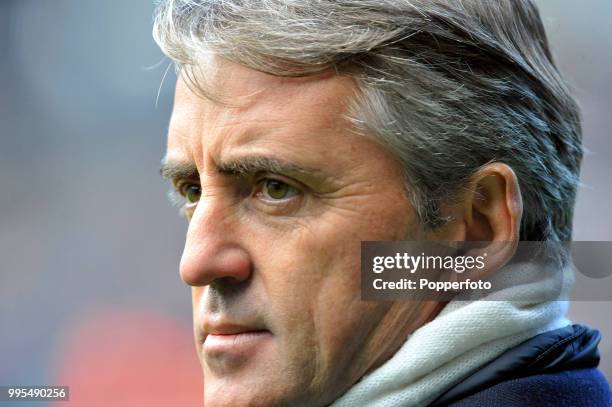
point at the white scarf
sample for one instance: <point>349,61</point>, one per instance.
<point>463,337</point>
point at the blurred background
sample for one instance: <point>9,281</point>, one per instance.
<point>90,295</point>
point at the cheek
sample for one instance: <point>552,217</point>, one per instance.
<point>313,287</point>
<point>316,263</point>
<point>308,273</point>
<point>292,268</point>
<point>304,272</point>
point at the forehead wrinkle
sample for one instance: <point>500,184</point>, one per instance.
<point>196,128</point>
<point>213,132</point>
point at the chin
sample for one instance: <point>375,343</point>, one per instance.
<point>257,378</point>
<point>255,388</point>
<point>228,394</point>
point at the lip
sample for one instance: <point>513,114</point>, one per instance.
<point>244,343</point>
<point>229,329</point>
<point>237,339</point>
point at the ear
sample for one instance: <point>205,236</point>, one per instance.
<point>491,212</point>
<point>493,206</point>
<point>488,212</point>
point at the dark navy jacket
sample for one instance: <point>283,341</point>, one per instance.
<point>556,368</point>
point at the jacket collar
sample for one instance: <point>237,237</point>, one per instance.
<point>570,347</point>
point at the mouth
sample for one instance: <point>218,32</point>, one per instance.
<point>232,339</point>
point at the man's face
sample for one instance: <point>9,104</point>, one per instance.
<point>283,191</point>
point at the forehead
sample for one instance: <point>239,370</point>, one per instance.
<point>250,105</point>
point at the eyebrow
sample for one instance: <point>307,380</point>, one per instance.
<point>257,164</point>
<point>172,170</point>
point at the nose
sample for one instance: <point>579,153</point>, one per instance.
<point>212,251</point>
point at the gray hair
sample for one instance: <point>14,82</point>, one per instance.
<point>448,86</point>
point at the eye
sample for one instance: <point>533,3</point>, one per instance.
<point>276,190</point>
<point>191,192</point>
